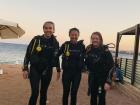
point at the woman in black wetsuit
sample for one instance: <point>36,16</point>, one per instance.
<point>100,63</point>
<point>42,56</point>
<point>72,64</point>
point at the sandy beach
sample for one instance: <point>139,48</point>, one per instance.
<point>14,90</point>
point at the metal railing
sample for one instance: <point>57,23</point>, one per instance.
<point>126,67</point>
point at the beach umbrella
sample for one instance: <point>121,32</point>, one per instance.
<point>9,30</point>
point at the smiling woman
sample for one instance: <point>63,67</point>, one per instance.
<point>72,64</point>
<point>99,62</point>
<point>41,56</point>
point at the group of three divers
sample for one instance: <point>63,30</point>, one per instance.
<point>43,54</point>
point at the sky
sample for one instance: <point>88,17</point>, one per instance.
<point>105,16</point>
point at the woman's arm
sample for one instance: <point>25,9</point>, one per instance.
<point>87,50</point>
<point>27,55</point>
<point>109,66</point>
<point>60,51</point>
<point>56,57</point>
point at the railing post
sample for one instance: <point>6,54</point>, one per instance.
<point>125,67</point>
<point>121,63</point>
<point>117,48</point>
<point>135,56</point>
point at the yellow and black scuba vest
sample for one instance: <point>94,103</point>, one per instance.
<point>95,56</point>
<point>37,47</point>
<point>66,52</point>
<point>72,55</point>
<point>42,51</point>
<point>39,44</point>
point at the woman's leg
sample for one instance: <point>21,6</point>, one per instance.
<point>102,96</point>
<point>45,81</point>
<point>34,82</point>
<point>89,83</point>
<point>74,89</point>
<point>66,81</point>
<point>94,90</point>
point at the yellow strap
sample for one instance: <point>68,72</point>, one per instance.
<point>39,43</point>
<point>66,48</point>
<point>33,46</point>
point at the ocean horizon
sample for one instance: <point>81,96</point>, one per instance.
<point>11,53</point>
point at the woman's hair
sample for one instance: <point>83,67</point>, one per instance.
<point>99,35</point>
<point>49,22</point>
<point>74,29</point>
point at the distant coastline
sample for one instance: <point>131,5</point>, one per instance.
<point>121,52</point>
<point>125,52</point>
<point>13,43</point>
<point>13,53</point>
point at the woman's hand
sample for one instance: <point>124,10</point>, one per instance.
<point>107,87</point>
<point>25,74</point>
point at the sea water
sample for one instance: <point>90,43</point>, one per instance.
<point>14,53</point>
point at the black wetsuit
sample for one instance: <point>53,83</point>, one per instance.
<point>100,63</point>
<point>42,55</point>
<point>72,65</point>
